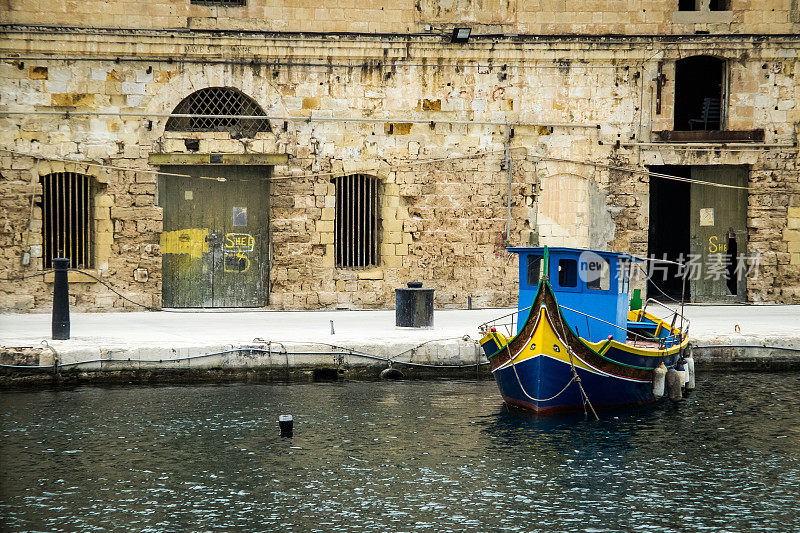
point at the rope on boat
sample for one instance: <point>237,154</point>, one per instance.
<point>575,378</point>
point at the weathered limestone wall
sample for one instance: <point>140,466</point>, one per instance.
<point>574,102</point>
<point>548,17</point>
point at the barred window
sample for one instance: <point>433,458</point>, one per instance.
<point>356,227</point>
<point>220,2</point>
<point>225,101</point>
<point>67,216</point>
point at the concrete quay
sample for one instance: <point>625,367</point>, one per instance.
<point>220,345</point>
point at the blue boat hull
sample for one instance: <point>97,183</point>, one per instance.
<point>526,383</point>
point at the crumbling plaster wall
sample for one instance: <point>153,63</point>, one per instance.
<point>442,222</point>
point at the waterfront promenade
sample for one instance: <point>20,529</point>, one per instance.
<point>282,342</point>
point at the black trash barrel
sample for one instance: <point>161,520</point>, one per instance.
<point>414,306</point>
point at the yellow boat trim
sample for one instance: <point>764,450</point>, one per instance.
<point>545,341</point>
<point>602,347</point>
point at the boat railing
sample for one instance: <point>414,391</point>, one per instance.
<point>683,327</point>
<point>629,333</point>
<point>671,339</point>
<point>510,330</point>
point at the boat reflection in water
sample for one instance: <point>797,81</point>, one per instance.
<point>579,347</point>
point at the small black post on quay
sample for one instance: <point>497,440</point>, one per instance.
<point>60,299</point>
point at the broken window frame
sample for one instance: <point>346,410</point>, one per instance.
<point>723,97</point>
<point>357,221</point>
<point>67,205</point>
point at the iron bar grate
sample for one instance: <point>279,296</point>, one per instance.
<point>219,101</point>
<point>67,215</point>
<point>356,227</point>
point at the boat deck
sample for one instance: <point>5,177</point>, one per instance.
<point>646,344</point>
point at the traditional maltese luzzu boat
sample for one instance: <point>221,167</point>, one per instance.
<point>580,347</point>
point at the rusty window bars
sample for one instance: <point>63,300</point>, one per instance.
<point>225,101</point>
<point>67,219</point>
<point>356,222</point>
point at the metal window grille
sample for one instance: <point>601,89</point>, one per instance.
<point>219,101</point>
<point>356,227</point>
<point>67,219</point>
<point>220,2</point>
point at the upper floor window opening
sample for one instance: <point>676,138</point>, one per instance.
<point>704,5</point>
<point>700,98</point>
<point>228,102</point>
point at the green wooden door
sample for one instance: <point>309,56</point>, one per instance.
<point>719,234</point>
<point>215,239</point>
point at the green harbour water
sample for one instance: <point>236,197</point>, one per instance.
<point>397,456</point>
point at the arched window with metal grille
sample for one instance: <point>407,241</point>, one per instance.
<point>67,219</point>
<point>232,110</point>
<point>356,227</point>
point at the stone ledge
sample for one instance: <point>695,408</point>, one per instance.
<point>219,159</point>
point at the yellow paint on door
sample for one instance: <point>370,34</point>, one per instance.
<point>190,241</point>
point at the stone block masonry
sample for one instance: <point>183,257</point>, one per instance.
<point>583,111</point>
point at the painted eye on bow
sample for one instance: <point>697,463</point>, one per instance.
<point>556,348</point>
<point>533,346</point>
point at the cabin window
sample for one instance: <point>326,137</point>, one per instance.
<point>598,278</point>
<point>567,273</point>
<point>623,275</point>
<point>534,269</point>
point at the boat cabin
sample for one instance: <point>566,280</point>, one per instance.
<point>591,287</point>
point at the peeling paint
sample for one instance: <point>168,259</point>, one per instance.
<point>185,241</point>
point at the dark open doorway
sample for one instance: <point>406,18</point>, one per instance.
<point>669,230</point>
<point>699,97</point>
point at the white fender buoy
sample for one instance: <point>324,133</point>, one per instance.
<point>659,373</point>
<point>684,375</point>
<point>673,385</point>
<point>690,369</point>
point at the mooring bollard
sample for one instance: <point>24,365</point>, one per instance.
<point>60,320</point>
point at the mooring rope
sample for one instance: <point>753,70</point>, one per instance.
<point>522,387</point>
<point>575,378</point>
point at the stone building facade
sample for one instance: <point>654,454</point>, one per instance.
<point>548,124</point>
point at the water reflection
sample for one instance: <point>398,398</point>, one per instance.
<point>438,456</point>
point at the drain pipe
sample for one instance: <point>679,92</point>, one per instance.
<point>509,134</point>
